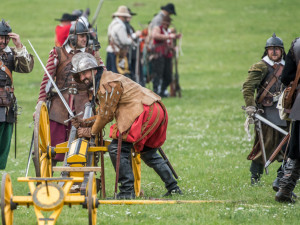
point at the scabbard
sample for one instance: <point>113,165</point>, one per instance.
<point>163,155</point>
<point>261,142</point>
<point>118,163</point>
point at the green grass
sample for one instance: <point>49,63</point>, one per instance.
<point>206,142</point>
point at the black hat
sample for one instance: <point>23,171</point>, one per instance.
<point>170,8</point>
<point>67,17</point>
<point>130,12</point>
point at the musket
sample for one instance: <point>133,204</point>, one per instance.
<point>137,62</point>
<point>277,150</point>
<point>97,12</point>
<point>53,83</point>
<point>168,162</point>
<point>29,156</point>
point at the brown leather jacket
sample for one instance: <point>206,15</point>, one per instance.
<point>63,80</point>
<point>126,107</point>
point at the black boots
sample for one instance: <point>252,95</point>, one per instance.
<point>256,170</point>
<point>288,181</point>
<point>151,158</point>
<point>155,161</point>
<point>280,173</point>
<point>126,177</point>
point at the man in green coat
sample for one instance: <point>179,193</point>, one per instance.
<point>11,59</point>
<point>261,91</point>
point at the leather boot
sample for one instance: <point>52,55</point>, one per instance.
<point>126,178</point>
<point>280,173</point>
<point>256,170</point>
<point>288,182</point>
<point>155,161</point>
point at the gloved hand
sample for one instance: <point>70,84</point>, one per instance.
<point>84,132</point>
<point>76,122</point>
<point>250,110</point>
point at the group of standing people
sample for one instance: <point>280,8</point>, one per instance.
<point>81,77</point>
<point>265,83</point>
<point>125,52</point>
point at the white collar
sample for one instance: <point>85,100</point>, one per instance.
<point>69,49</point>
<point>271,62</point>
<point>7,49</point>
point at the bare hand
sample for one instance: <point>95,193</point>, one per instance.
<point>84,132</point>
<point>16,39</point>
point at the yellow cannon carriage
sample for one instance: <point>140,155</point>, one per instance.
<point>80,157</point>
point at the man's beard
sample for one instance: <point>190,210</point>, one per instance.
<point>88,83</point>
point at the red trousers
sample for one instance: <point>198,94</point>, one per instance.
<point>59,133</point>
<point>149,129</point>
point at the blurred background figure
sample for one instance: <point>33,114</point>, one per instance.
<point>119,43</point>
<point>134,53</point>
<point>62,30</point>
<point>161,54</point>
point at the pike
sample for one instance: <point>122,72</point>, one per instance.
<point>53,83</point>
<point>97,12</point>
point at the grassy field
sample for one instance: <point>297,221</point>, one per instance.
<point>206,142</point>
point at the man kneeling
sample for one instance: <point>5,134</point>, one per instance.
<point>141,119</point>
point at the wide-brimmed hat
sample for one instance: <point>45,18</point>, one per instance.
<point>67,17</point>
<point>122,11</point>
<point>170,8</point>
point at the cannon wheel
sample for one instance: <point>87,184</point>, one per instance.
<point>6,196</point>
<point>42,141</point>
<point>92,201</point>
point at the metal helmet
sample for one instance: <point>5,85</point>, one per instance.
<point>78,27</point>
<point>82,61</point>
<point>4,28</point>
<point>274,41</point>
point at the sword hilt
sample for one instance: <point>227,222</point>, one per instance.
<point>72,117</point>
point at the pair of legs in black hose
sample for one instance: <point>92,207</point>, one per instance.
<point>151,158</point>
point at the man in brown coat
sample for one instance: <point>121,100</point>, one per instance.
<point>141,121</point>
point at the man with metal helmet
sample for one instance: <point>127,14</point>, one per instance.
<point>59,66</point>
<point>292,168</point>
<point>141,122</point>
<point>11,59</point>
<point>261,91</point>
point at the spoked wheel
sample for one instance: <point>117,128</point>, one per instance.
<point>42,142</point>
<point>92,200</point>
<point>6,196</point>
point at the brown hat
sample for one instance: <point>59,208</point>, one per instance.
<point>122,11</point>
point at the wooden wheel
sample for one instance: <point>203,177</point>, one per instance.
<point>42,142</point>
<point>92,201</point>
<point>6,196</point>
